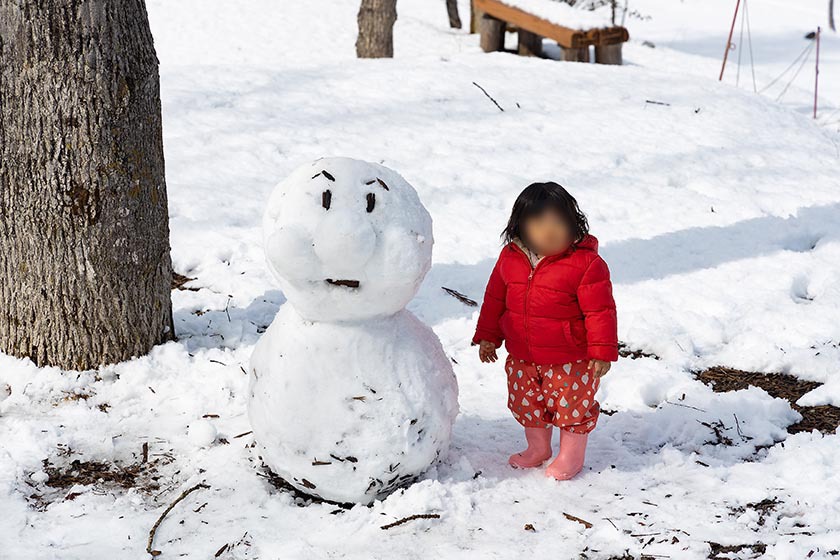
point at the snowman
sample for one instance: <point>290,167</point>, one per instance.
<point>351,396</point>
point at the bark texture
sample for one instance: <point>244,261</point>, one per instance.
<point>376,29</point>
<point>85,271</point>
<point>454,16</point>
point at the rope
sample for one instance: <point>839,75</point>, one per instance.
<point>745,23</point>
<point>805,51</point>
<point>749,41</point>
<point>827,119</point>
<point>740,42</point>
<point>798,70</point>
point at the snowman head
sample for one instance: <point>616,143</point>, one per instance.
<point>347,240</point>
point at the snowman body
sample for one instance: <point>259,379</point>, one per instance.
<point>351,396</point>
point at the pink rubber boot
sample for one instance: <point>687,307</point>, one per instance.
<point>569,460</point>
<point>538,452</point>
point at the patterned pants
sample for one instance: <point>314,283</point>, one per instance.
<point>562,395</point>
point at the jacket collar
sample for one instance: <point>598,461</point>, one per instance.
<point>588,243</point>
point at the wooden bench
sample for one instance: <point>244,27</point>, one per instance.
<point>493,17</point>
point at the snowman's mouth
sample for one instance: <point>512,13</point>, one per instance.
<point>343,283</point>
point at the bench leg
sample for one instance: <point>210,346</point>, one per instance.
<point>574,55</point>
<point>492,34</point>
<point>530,44</point>
<point>608,54</point>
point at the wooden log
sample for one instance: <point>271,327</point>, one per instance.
<point>608,54</point>
<point>492,34</point>
<point>574,54</point>
<point>475,17</point>
<point>530,44</point>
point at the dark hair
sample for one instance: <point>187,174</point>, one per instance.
<point>536,199</point>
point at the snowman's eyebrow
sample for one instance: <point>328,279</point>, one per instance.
<point>326,174</point>
<point>378,180</point>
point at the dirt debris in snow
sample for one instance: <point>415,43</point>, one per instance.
<point>825,418</point>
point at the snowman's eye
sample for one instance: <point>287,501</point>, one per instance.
<point>326,199</point>
<point>371,202</point>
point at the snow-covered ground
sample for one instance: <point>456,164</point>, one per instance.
<point>718,211</point>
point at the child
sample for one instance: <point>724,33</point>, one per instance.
<point>549,298</point>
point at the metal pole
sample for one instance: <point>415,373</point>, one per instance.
<point>729,41</point>
<point>817,73</point>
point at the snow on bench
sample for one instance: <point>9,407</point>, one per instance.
<point>561,13</point>
<point>574,29</point>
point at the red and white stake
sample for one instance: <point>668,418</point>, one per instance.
<point>817,74</point>
<point>729,40</point>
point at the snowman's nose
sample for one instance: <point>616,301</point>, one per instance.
<point>344,241</point>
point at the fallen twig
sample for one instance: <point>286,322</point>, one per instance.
<point>653,102</point>
<point>685,405</point>
<point>411,518</point>
<point>183,495</point>
<point>484,91</point>
<point>738,427</point>
<point>583,522</point>
<point>243,434</point>
<point>460,297</point>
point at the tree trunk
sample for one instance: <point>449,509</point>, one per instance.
<point>454,16</point>
<point>376,29</point>
<point>85,272</point>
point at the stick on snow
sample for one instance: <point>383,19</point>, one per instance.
<point>460,297</point>
<point>411,518</point>
<point>183,495</point>
<point>484,91</point>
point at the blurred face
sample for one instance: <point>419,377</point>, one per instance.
<point>548,233</point>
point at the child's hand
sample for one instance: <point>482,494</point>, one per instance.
<point>599,367</point>
<point>487,352</point>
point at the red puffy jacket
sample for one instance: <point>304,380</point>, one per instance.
<point>561,311</point>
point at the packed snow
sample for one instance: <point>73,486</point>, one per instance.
<point>718,210</point>
<point>351,396</point>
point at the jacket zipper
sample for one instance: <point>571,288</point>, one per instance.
<point>528,295</point>
<point>528,289</point>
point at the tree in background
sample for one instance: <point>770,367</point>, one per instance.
<point>376,29</point>
<point>85,271</point>
<point>454,16</point>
